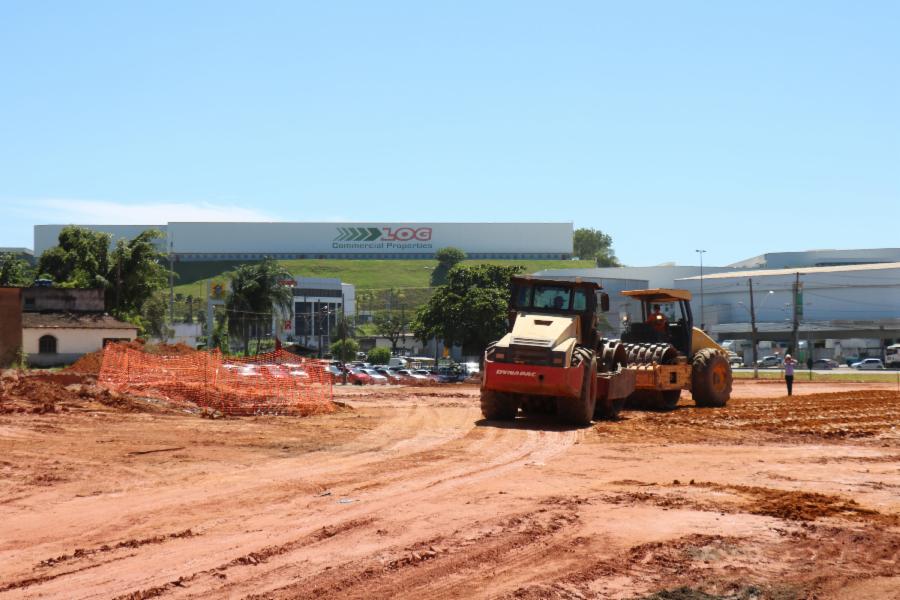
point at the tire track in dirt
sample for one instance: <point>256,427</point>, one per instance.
<point>464,464</point>
<point>417,488</point>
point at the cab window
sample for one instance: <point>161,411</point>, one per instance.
<point>523,297</point>
<point>546,296</point>
<point>579,302</point>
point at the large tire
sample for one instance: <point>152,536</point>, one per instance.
<point>711,378</point>
<point>579,411</point>
<point>497,406</point>
<point>609,409</point>
<point>654,400</point>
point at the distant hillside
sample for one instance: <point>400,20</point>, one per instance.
<point>373,275</point>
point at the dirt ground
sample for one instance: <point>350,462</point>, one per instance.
<point>407,493</point>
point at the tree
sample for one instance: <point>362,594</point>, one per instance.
<point>447,259</point>
<point>392,326</point>
<point>470,310</point>
<point>80,260</point>
<point>151,321</point>
<point>136,272</point>
<point>130,275</point>
<point>379,356</point>
<point>596,245</point>
<point>344,350</point>
<point>256,290</point>
<point>15,272</point>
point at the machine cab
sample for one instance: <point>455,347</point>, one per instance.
<point>565,298</point>
<point>677,326</point>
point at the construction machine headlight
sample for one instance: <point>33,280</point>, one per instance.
<point>558,359</point>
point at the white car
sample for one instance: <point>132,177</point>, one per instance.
<point>412,375</point>
<point>868,364</point>
<point>377,377</point>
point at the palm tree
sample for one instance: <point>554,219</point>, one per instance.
<point>256,290</point>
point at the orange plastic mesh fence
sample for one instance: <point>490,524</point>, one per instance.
<point>274,383</point>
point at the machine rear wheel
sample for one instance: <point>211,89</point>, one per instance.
<point>609,409</point>
<point>711,379</point>
<point>654,400</point>
<point>497,406</point>
<point>580,411</point>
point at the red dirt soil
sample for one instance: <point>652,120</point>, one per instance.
<point>409,494</point>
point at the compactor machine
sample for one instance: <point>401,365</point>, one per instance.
<point>553,359</point>
<point>669,354</point>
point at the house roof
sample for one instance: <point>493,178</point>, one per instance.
<point>64,320</point>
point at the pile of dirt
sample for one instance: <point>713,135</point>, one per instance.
<point>53,393</point>
<point>849,414</point>
<point>90,364</point>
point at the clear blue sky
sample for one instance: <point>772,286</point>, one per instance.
<point>738,127</point>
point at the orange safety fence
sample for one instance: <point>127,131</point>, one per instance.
<point>273,383</point>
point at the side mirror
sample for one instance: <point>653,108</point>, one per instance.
<point>604,302</point>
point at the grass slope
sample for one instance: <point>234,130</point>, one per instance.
<point>364,274</point>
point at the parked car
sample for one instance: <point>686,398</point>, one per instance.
<point>769,361</point>
<point>825,364</point>
<point>450,375</point>
<point>391,376</point>
<point>426,374</point>
<point>376,376</point>
<point>411,376</point>
<point>337,375</point>
<point>358,377</point>
<point>868,363</point>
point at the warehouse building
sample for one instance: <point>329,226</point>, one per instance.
<point>841,310</point>
<point>253,241</point>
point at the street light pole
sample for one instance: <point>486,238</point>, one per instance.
<point>753,333</point>
<point>702,311</point>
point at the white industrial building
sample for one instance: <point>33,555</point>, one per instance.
<point>251,241</point>
<point>820,258</point>
<point>856,302</point>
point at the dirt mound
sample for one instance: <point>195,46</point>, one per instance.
<point>90,363</point>
<point>850,414</point>
<point>49,393</point>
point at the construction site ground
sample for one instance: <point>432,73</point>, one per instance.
<point>407,493</point>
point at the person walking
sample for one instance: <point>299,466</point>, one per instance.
<point>789,373</point>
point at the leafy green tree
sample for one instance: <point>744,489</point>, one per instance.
<point>136,272</point>
<point>392,326</point>
<point>80,260</point>
<point>15,272</point>
<point>151,321</point>
<point>256,290</point>
<point>131,275</point>
<point>344,350</point>
<point>447,258</point>
<point>379,356</point>
<point>471,310</point>
<point>596,245</point>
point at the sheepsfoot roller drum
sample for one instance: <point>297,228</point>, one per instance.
<point>668,354</point>
<point>553,361</point>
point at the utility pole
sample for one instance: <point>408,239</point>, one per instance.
<point>702,312</point>
<point>798,312</point>
<point>171,282</point>
<point>753,332</point>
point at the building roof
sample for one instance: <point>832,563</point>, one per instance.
<point>659,294</point>
<point>802,270</point>
<point>73,321</point>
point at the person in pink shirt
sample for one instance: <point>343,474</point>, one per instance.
<point>789,373</point>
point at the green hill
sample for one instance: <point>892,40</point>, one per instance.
<point>374,275</point>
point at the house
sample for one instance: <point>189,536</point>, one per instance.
<point>56,326</point>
